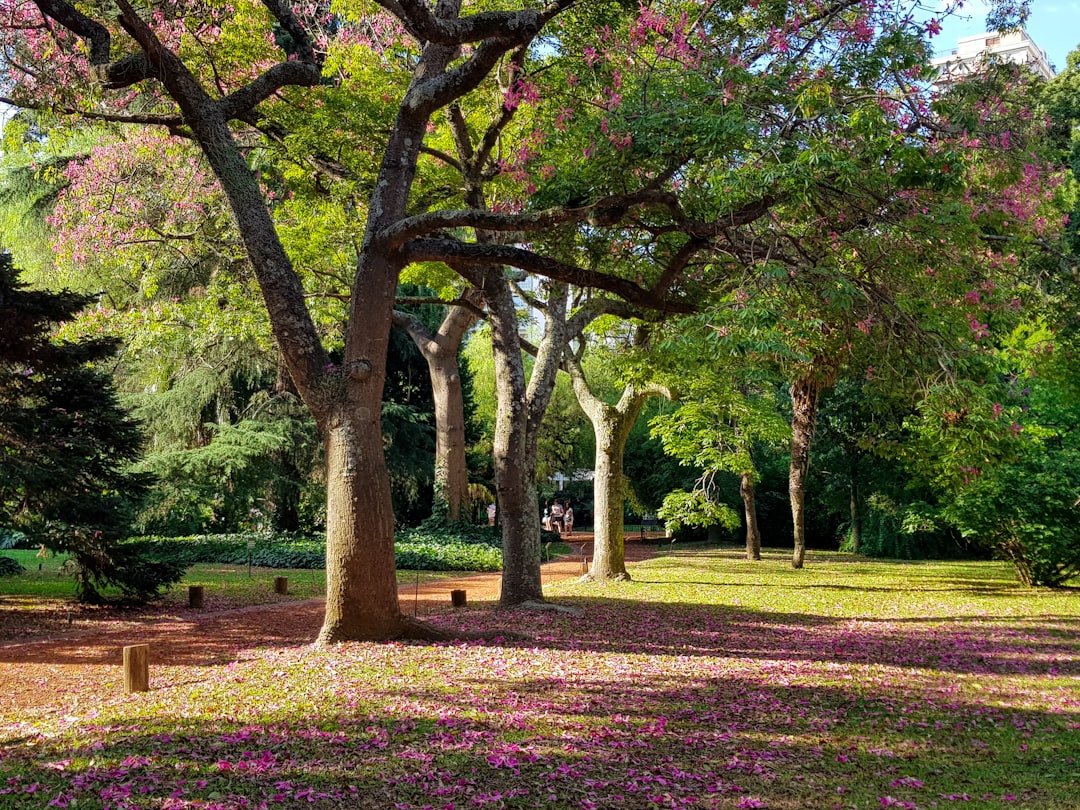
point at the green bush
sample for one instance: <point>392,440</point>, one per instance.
<point>435,530</point>
<point>421,549</point>
<point>10,538</point>
<point>447,556</point>
<point>10,567</point>
<point>1026,513</point>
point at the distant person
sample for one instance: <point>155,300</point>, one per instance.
<point>491,514</point>
<point>557,517</point>
<point>568,518</point>
<point>545,521</point>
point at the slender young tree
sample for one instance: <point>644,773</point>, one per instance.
<point>612,423</point>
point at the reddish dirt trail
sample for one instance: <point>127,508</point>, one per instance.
<point>76,670</point>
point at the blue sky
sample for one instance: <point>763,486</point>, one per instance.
<point>1054,26</point>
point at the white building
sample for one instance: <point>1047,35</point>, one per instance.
<point>971,53</point>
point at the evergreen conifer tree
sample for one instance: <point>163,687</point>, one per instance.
<point>67,445</point>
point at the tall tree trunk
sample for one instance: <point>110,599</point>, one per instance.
<point>440,350</point>
<point>856,507</point>
<point>519,413</point>
<point>361,600</point>
<point>451,472</point>
<point>747,489</point>
<point>804,405</point>
<point>609,494</point>
<point>611,427</point>
<point>361,587</point>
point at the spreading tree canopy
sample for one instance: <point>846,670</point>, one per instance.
<point>670,127</point>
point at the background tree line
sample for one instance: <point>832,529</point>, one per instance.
<point>600,202</point>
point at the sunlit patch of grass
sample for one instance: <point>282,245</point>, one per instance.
<point>224,585</point>
<point>708,682</point>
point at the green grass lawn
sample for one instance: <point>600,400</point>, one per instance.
<point>707,682</point>
<point>225,585</point>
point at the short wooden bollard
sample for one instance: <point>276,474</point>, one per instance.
<point>195,596</point>
<point>457,598</point>
<point>281,585</point>
<point>584,565</point>
<point>137,668</point>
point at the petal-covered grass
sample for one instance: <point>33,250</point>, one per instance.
<point>708,682</point>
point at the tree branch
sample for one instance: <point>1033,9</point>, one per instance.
<point>460,255</point>
<point>282,12</point>
<point>79,24</point>
<point>605,212</point>
<point>422,23</point>
<point>283,74</point>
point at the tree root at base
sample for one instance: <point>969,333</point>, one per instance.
<point>590,577</point>
<point>412,629</point>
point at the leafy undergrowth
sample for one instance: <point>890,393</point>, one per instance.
<point>708,682</point>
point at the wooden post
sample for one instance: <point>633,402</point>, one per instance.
<point>137,668</point>
<point>281,585</point>
<point>457,598</point>
<point>195,596</point>
<point>584,565</point>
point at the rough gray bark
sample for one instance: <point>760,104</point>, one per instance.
<point>804,406</point>
<point>805,398</point>
<point>521,406</point>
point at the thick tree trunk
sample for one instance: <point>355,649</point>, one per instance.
<point>747,489</point>
<point>804,405</point>
<point>611,427</point>
<point>361,599</point>
<point>440,350</point>
<point>519,508</point>
<point>361,587</point>
<point>451,472</point>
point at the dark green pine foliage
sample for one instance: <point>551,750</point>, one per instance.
<point>66,444</point>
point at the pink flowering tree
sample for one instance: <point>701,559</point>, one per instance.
<point>655,137</point>
<point>924,286</point>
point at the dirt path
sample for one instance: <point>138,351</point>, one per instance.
<point>74,670</point>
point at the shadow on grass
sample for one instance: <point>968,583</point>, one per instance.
<point>959,644</point>
<point>566,736</point>
<point>193,641</point>
<point>947,586</point>
<point>1045,645</point>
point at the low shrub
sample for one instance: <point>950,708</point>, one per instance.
<point>447,556</point>
<point>1026,513</point>
<point>10,567</point>
<point>440,530</point>
<point>414,550</point>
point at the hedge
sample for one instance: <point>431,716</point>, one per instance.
<point>413,549</point>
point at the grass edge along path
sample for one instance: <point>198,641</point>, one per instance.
<point>708,682</point>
